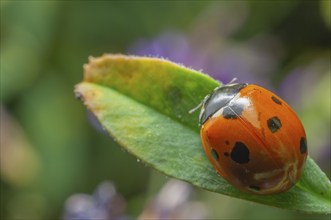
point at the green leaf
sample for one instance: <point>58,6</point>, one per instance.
<point>143,104</point>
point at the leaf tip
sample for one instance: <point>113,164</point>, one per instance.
<point>77,93</point>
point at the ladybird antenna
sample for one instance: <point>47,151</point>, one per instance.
<point>232,80</point>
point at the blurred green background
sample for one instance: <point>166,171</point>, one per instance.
<point>50,147</point>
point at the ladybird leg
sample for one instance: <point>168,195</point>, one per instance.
<point>199,105</point>
<point>195,108</point>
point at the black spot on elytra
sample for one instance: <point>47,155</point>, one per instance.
<point>303,145</point>
<point>274,124</point>
<point>256,188</point>
<point>214,154</point>
<point>277,101</point>
<point>227,142</point>
<point>240,153</point>
<point>226,154</point>
<point>228,113</point>
<point>232,111</point>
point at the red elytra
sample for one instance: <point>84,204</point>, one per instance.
<point>253,138</point>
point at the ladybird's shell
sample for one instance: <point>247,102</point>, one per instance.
<point>253,138</point>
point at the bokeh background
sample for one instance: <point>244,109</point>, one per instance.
<point>55,163</point>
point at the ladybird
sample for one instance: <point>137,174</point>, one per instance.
<point>253,138</point>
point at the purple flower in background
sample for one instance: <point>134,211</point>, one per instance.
<point>174,202</point>
<point>250,61</point>
<point>104,204</point>
<point>296,84</point>
<point>171,45</point>
<point>209,46</point>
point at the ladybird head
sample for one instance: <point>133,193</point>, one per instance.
<point>219,98</point>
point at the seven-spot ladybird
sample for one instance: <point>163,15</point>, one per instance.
<point>253,138</point>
